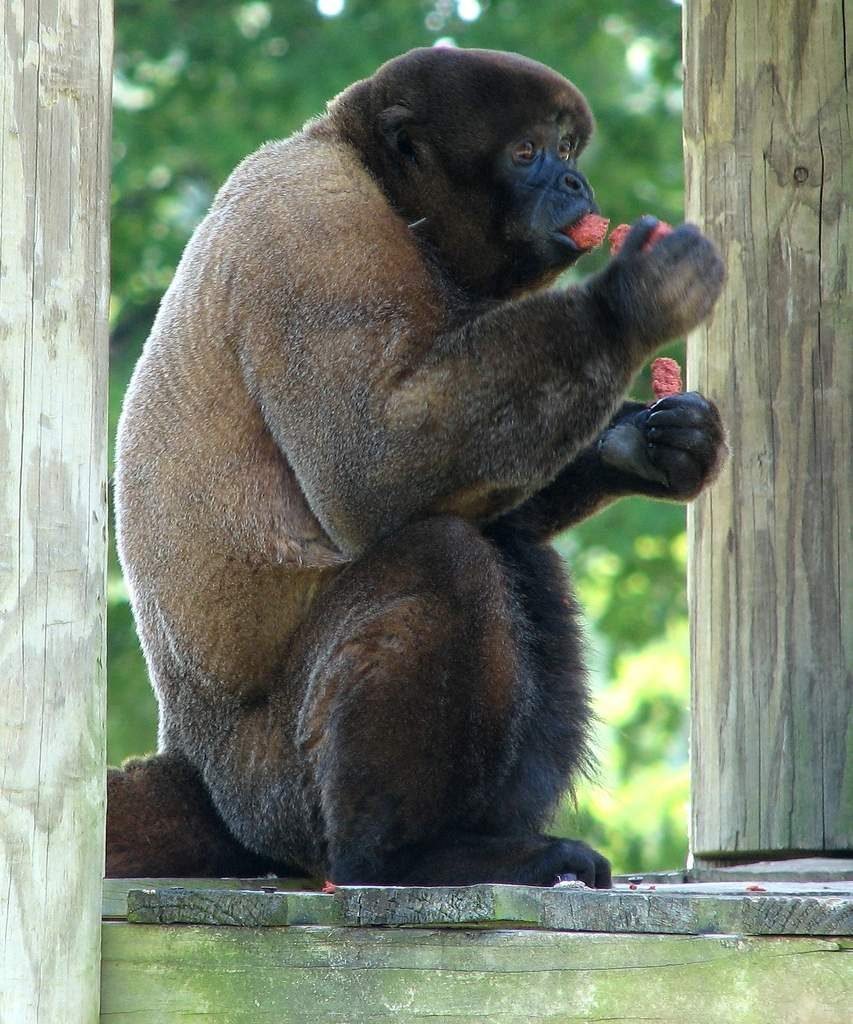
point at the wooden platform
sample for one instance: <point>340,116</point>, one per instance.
<point>267,950</point>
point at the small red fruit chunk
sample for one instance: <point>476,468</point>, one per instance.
<point>617,237</point>
<point>666,378</point>
<point>618,234</point>
<point>329,887</point>
<point>589,232</point>
<point>755,888</point>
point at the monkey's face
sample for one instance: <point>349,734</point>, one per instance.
<point>543,196</point>
<point>477,150</point>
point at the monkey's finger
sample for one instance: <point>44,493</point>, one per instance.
<point>687,439</point>
<point>683,470</point>
<point>682,416</point>
<point>695,412</point>
<point>685,240</point>
<point>637,237</point>
<point>701,437</point>
<point>688,407</point>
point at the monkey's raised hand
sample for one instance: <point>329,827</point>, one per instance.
<point>677,445</point>
<point>659,294</point>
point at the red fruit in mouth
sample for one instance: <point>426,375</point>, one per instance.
<point>589,232</point>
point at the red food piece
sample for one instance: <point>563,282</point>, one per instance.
<point>329,887</point>
<point>589,232</point>
<point>755,888</point>
<point>617,236</point>
<point>666,378</point>
<point>632,886</point>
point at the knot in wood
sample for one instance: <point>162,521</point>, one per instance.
<point>800,174</point>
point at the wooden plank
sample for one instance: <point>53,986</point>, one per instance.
<point>355,906</point>
<point>726,888</point>
<point>245,909</point>
<point>767,151</point>
<point>796,869</point>
<point>54,288</point>
<point>720,908</point>
<point>467,904</point>
<point>305,975</point>
<point>687,913</point>
<point>115,890</point>
<point>800,869</point>
<point>813,869</point>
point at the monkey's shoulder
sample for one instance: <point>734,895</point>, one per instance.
<point>309,206</point>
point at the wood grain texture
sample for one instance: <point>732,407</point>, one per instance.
<point>693,909</point>
<point>768,169</point>
<point>795,869</point>
<point>54,284</point>
<point>115,890</point>
<point>314,975</point>
<point>694,913</point>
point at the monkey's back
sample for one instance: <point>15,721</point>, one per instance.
<point>221,551</point>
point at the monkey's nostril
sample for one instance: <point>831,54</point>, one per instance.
<point>572,183</point>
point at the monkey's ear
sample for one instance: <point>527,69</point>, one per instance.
<point>396,125</point>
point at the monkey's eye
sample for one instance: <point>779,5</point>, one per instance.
<point>524,152</point>
<point>567,148</point>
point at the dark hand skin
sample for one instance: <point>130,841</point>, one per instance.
<point>359,418</point>
<point>664,292</point>
<point>674,446</point>
<point>670,450</point>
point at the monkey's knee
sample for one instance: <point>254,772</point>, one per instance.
<point>407,728</point>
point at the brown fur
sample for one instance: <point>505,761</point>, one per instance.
<point>161,823</point>
<point>355,424</point>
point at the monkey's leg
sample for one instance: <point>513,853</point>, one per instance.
<point>418,710</point>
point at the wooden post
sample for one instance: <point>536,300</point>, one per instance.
<point>769,172</point>
<point>54,283</point>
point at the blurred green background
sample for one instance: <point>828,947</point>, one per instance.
<point>198,86</point>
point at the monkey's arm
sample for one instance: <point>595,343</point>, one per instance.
<point>389,418</point>
<point>671,450</point>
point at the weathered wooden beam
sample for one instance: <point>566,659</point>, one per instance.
<point>115,890</point>
<point>693,909</point>
<point>451,905</point>
<point>797,869</point>
<point>236,908</point>
<point>767,128</point>
<point>54,289</point>
<point>320,975</point>
<point>687,912</point>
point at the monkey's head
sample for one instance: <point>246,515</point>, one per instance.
<point>477,149</point>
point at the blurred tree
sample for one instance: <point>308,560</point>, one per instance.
<point>198,86</point>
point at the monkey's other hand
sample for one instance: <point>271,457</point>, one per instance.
<point>660,294</point>
<point>677,445</point>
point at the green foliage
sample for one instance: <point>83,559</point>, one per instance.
<point>198,86</point>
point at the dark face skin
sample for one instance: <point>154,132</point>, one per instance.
<point>490,193</point>
<point>544,194</point>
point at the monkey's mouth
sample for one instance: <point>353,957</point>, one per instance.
<point>586,233</point>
